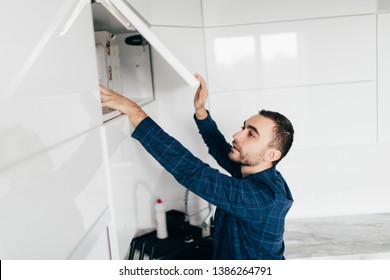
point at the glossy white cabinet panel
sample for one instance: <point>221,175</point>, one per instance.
<point>187,45</point>
<point>48,69</point>
<point>97,242</point>
<point>142,7</point>
<point>50,201</point>
<point>133,177</point>
<point>383,77</point>
<point>383,6</point>
<point>230,12</point>
<point>322,116</point>
<point>176,13</point>
<point>309,52</point>
<point>169,12</point>
<point>101,249</point>
<point>336,181</point>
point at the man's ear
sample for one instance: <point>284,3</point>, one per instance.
<point>272,155</point>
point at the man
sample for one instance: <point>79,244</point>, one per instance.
<point>252,203</point>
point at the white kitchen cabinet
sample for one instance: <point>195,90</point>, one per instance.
<point>125,68</point>
<point>289,54</point>
<point>324,116</point>
<point>49,203</point>
<point>55,195</point>
<point>125,63</point>
<point>48,77</point>
<point>123,60</point>
<point>257,11</point>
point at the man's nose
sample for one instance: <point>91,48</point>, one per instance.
<point>237,135</point>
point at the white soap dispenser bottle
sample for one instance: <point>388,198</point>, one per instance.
<point>161,219</point>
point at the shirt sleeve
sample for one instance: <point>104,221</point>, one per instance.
<point>217,145</point>
<point>225,192</point>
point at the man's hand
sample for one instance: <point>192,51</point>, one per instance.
<point>200,99</point>
<point>122,104</point>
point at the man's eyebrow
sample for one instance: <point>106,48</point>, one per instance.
<point>252,128</point>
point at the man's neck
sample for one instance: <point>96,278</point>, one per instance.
<point>249,170</point>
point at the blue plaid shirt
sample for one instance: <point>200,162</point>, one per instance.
<point>251,210</point>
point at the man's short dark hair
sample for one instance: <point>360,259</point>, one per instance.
<point>283,132</point>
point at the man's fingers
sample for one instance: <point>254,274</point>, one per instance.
<point>104,103</point>
<point>199,78</point>
<point>105,91</point>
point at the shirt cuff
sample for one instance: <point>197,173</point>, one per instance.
<point>146,127</point>
<point>205,123</point>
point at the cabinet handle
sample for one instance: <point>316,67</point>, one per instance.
<point>109,73</point>
<point>108,48</point>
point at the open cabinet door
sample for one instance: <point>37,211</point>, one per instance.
<point>129,18</point>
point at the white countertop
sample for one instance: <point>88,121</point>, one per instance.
<point>345,237</point>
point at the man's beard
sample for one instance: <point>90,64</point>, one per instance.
<point>241,160</point>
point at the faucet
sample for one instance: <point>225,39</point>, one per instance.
<point>207,222</point>
<point>186,215</point>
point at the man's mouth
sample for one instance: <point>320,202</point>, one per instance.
<point>234,148</point>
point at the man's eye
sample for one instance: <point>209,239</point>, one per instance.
<point>250,134</point>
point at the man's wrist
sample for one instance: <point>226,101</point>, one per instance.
<point>137,117</point>
<point>201,114</point>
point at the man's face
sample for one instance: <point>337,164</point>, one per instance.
<point>250,145</point>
